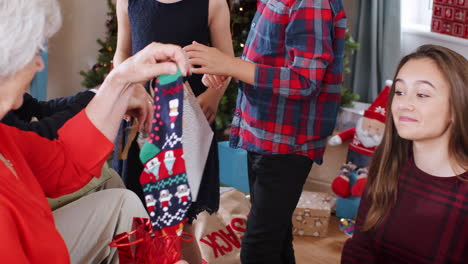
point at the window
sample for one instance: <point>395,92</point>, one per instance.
<point>416,13</point>
<point>416,19</point>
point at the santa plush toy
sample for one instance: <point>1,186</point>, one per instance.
<point>366,136</point>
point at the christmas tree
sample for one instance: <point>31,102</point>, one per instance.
<point>95,76</point>
<point>347,95</point>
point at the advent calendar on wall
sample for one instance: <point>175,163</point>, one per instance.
<point>450,17</point>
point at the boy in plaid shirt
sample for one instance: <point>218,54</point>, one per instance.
<point>290,77</point>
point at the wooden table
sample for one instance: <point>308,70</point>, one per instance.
<point>325,250</point>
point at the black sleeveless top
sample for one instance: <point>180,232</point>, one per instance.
<point>177,23</point>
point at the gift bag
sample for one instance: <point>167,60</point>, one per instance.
<point>143,245</point>
<point>196,139</point>
<point>219,235</point>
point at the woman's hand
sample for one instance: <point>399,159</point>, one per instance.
<point>116,94</point>
<point>211,60</point>
<point>140,106</point>
<point>154,60</point>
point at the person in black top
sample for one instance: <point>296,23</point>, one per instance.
<point>51,114</point>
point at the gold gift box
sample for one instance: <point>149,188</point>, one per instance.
<point>312,214</point>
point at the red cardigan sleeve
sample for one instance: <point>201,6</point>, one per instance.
<point>360,248</point>
<point>66,164</point>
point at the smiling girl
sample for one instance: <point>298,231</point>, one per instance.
<point>415,207</point>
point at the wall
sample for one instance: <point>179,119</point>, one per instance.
<point>413,36</point>
<point>74,47</point>
<point>351,9</point>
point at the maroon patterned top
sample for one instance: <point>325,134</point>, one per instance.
<point>429,223</point>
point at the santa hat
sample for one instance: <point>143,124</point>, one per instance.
<point>377,109</point>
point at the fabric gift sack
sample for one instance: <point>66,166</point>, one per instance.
<point>219,235</point>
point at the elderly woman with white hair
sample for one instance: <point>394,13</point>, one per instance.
<point>32,167</point>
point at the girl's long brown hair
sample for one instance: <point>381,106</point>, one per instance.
<point>393,152</point>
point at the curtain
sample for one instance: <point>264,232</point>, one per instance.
<point>378,33</point>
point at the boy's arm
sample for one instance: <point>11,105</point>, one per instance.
<point>309,44</point>
<point>310,50</point>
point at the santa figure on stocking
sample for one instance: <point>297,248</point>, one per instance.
<point>366,136</point>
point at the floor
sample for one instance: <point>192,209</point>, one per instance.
<point>326,250</point>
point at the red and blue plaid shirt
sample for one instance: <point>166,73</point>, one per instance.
<point>298,48</point>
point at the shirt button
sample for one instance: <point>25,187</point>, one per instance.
<point>253,24</point>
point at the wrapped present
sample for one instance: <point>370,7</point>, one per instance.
<point>312,214</point>
<point>347,226</point>
<point>233,167</point>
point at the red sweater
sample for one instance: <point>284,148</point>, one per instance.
<point>44,168</point>
<point>429,223</point>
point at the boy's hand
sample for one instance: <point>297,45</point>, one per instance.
<point>213,81</point>
<point>211,60</point>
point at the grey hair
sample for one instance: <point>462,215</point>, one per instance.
<point>25,26</point>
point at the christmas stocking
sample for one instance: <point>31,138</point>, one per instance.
<point>360,184</point>
<point>340,184</point>
<point>164,178</point>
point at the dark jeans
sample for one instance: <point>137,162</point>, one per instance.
<point>276,183</point>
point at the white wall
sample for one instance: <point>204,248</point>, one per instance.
<point>415,36</point>
<point>74,47</point>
